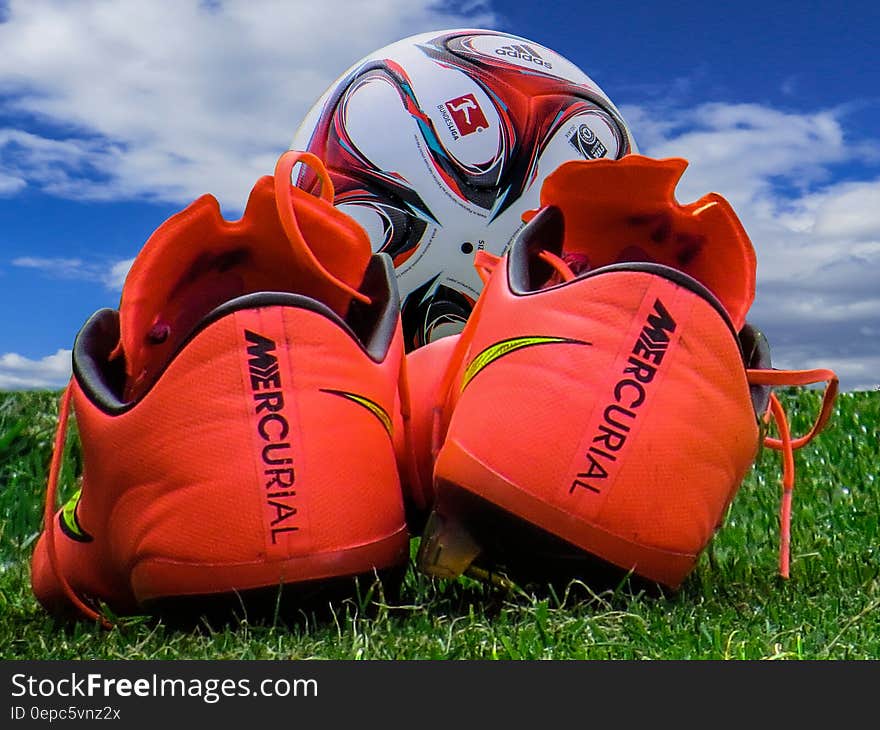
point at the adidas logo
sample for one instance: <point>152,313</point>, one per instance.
<point>523,53</point>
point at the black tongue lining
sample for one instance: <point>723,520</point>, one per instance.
<point>99,376</point>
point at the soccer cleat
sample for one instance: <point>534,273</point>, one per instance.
<point>607,396</point>
<point>235,414</point>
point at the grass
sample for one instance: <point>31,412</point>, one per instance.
<point>733,606</point>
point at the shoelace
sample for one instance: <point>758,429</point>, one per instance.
<point>287,210</point>
<point>785,443</point>
<point>49,512</point>
<point>485,263</point>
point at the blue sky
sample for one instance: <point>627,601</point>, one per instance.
<point>115,115</point>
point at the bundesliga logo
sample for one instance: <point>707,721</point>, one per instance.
<point>463,116</point>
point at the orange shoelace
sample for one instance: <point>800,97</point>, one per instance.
<point>785,443</point>
<point>284,201</point>
<point>49,513</point>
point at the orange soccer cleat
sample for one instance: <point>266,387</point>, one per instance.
<point>607,396</point>
<point>235,414</point>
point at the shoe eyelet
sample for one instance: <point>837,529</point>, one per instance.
<point>158,333</point>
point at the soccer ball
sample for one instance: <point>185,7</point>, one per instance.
<point>438,143</point>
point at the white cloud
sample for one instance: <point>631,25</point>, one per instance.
<point>742,150</point>
<point>112,275</point>
<point>60,267</point>
<point>58,166</point>
<point>115,278</point>
<point>21,373</point>
<point>174,98</point>
<point>10,184</point>
<point>850,211</point>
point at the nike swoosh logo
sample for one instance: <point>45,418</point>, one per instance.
<point>505,347</point>
<point>69,523</point>
<point>371,406</point>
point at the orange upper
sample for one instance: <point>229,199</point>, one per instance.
<point>625,210</point>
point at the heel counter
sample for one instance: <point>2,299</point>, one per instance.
<point>684,457</point>
<point>606,435</point>
<point>238,471</point>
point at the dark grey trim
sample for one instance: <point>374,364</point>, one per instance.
<point>756,354</point>
<point>545,232</point>
<point>374,325</point>
<point>101,380</point>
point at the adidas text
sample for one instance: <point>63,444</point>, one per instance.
<point>523,53</point>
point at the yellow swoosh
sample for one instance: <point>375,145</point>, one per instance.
<point>69,523</point>
<point>371,406</point>
<point>505,347</point>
